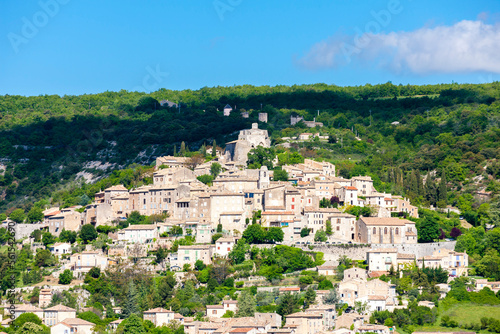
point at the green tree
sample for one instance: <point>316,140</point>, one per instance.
<point>161,254</point>
<point>215,169</point>
<point>25,318</point>
<point>206,179</point>
<point>66,277</point>
<point>254,234</point>
<point>130,306</point>
<point>199,265</point>
<point>428,229</point>
<point>320,236</point>
<point>237,255</point>
<point>94,272</point>
<point>88,233</point>
<point>442,190</point>
<point>132,325</point>
<point>18,216</point>
<point>329,230</point>
<point>304,232</point>
<point>332,298</point>
<point>67,236</point>
<point>261,156</point>
<point>214,149</point>
<point>280,174</point>
<point>310,297</point>
<point>35,215</point>
<point>31,328</point>
<point>275,234</point>
<point>287,304</point>
<point>246,304</point>
<point>325,284</point>
<point>44,258</point>
<point>48,239</point>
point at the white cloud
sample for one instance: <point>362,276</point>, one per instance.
<point>467,46</point>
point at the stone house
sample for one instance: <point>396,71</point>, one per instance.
<point>189,255</point>
<point>60,248</point>
<point>68,219</point>
<point>386,231</point>
<point>307,323</point>
<point>56,314</point>
<point>73,325</point>
<point>215,311</point>
<point>223,246</point>
<point>81,263</point>
<point>348,195</point>
<point>343,226</point>
<point>159,316</point>
<point>139,233</point>
<point>27,308</point>
<point>45,297</point>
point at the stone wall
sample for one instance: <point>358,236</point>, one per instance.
<point>419,249</point>
<point>358,252</point>
<point>24,230</point>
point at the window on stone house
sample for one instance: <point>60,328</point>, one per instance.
<point>385,230</point>
<point>374,230</point>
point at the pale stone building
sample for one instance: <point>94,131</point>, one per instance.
<point>223,246</point>
<point>56,314</point>
<point>189,255</point>
<point>68,219</point>
<point>139,233</point>
<point>386,230</point>
<point>237,151</point>
<point>305,322</point>
<point>73,325</point>
<point>159,316</point>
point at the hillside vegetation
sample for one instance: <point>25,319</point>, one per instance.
<point>445,133</point>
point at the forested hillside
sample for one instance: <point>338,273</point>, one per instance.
<point>410,139</point>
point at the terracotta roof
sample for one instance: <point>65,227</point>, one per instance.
<point>215,306</point>
<point>229,302</point>
<point>241,330</point>
<point>377,273</point>
<point>76,322</point>
<point>195,247</point>
<point>406,256</point>
<point>158,310</point>
<point>350,188</point>
<point>119,187</point>
<point>289,289</point>
<point>376,298</point>
<point>228,239</point>
<point>304,315</point>
<point>385,221</point>
<point>27,308</point>
<point>277,213</point>
<point>60,308</point>
<point>141,227</point>
<point>371,327</point>
<point>383,250</point>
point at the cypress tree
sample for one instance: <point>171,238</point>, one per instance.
<point>420,184</point>
<point>183,149</point>
<point>442,191</point>
<point>130,306</point>
<point>214,149</point>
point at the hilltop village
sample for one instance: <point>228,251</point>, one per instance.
<point>235,238</point>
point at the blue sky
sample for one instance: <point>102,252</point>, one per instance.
<point>76,47</point>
